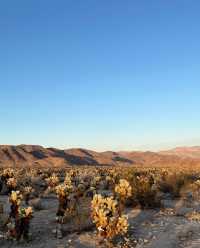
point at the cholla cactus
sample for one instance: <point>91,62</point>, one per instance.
<point>107,217</point>
<point>22,224</point>
<point>123,189</point>
<point>63,190</point>
<point>122,224</point>
<point>95,181</point>
<point>26,192</point>
<point>52,181</point>
<point>110,179</point>
<point>19,219</point>
<point>197,183</point>
<point>26,212</point>
<point>114,174</point>
<point>164,174</point>
<point>11,183</point>
<point>7,173</point>
<point>15,198</point>
<point>68,179</point>
<point>80,190</point>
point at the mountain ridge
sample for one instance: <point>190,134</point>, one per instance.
<point>36,155</point>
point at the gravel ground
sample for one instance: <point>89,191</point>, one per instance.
<point>148,229</point>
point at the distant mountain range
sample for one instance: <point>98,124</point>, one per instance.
<point>34,155</point>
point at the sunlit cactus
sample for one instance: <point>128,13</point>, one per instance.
<point>11,184</point>
<point>19,218</point>
<point>123,189</point>
<point>107,217</point>
<point>52,181</point>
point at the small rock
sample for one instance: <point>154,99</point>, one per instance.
<point>150,234</point>
<point>37,204</point>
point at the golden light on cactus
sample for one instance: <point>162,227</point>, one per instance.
<point>123,188</point>
<point>7,172</point>
<point>15,197</point>
<point>53,180</point>
<point>107,217</point>
<point>108,178</point>
<point>197,183</point>
<point>28,190</point>
<point>95,181</point>
<point>12,182</point>
<point>68,180</point>
<point>63,190</point>
<point>26,212</point>
<point>122,224</point>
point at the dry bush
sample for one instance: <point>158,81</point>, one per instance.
<point>144,188</point>
<point>172,182</point>
<point>191,190</point>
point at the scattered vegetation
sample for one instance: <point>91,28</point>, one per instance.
<point>106,192</point>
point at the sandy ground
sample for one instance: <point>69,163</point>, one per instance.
<point>166,228</point>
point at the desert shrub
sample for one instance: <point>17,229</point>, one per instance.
<point>172,182</point>
<point>146,192</point>
<point>191,190</point>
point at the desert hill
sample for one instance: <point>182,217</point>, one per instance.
<point>192,152</point>
<point>34,155</point>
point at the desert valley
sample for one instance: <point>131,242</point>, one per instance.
<point>52,198</point>
<point>99,127</point>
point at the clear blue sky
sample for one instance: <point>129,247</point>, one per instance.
<point>104,75</point>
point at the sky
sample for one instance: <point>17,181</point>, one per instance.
<point>101,75</point>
